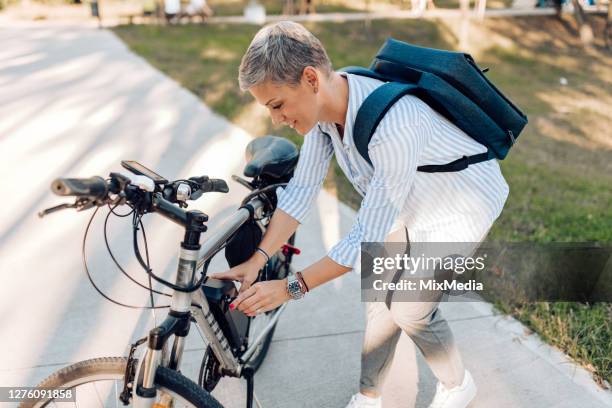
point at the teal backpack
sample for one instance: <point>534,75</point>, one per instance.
<point>450,83</point>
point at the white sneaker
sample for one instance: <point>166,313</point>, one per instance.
<point>457,397</point>
<point>361,401</point>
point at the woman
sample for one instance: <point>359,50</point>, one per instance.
<point>287,70</point>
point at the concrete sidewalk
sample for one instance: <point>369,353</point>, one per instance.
<point>75,102</point>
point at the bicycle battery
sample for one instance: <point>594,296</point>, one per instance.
<point>243,244</point>
<point>233,323</point>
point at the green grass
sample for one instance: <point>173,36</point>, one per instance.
<point>559,173</point>
<point>581,331</point>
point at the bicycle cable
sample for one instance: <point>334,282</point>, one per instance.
<point>146,245</point>
<point>161,280</point>
<point>257,192</point>
<point>149,271</point>
<point>84,256</point>
<point>112,209</point>
<point>112,255</point>
<point>136,221</point>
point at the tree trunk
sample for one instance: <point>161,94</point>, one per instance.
<point>558,8</point>
<point>465,24</point>
<point>288,7</point>
<point>368,20</point>
<point>608,29</point>
<point>584,28</point>
<point>481,6</point>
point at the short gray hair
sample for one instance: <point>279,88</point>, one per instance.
<point>279,53</point>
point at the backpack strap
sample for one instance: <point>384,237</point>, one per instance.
<point>373,110</point>
<point>457,165</point>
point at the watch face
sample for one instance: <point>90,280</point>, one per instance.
<point>294,288</point>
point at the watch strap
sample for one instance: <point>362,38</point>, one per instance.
<point>302,281</point>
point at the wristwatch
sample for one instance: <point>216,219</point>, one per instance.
<point>296,287</point>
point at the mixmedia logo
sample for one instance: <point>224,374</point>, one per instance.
<point>516,271</point>
<point>412,264</point>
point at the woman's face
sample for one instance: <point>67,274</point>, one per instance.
<point>293,105</point>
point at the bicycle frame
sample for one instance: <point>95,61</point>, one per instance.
<point>186,307</point>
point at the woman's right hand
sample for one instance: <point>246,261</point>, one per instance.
<point>246,273</point>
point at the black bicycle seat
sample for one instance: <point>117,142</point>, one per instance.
<point>271,156</point>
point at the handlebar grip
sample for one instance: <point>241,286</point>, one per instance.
<point>219,186</point>
<point>93,187</point>
<point>208,185</point>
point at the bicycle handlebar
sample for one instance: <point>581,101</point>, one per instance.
<point>97,191</point>
<point>96,188</point>
<point>93,187</point>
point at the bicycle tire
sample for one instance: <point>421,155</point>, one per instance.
<point>113,368</point>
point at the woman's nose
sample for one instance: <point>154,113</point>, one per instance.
<point>278,118</point>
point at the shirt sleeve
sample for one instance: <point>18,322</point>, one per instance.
<point>315,155</point>
<point>394,150</point>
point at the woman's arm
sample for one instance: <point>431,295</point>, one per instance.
<point>279,230</point>
<point>322,272</point>
<point>295,202</point>
<point>281,227</point>
<point>265,296</point>
<point>293,206</point>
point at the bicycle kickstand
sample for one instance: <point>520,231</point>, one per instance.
<point>248,375</point>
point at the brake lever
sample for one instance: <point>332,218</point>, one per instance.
<point>243,182</point>
<point>80,205</point>
<point>55,209</point>
<point>196,194</point>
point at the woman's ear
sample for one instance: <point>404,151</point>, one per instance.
<point>311,77</point>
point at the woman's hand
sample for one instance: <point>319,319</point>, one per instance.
<point>262,297</point>
<point>246,273</point>
<point>254,298</point>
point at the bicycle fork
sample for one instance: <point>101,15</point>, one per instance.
<point>177,323</point>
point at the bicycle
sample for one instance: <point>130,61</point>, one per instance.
<point>237,344</point>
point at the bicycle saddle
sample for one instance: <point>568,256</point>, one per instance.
<point>271,156</point>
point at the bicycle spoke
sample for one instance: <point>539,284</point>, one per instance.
<point>116,394</point>
<point>98,395</point>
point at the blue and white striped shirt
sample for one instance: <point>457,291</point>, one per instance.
<point>443,207</point>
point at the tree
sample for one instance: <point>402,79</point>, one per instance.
<point>608,29</point>
<point>584,28</point>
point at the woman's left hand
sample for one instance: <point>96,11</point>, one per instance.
<point>262,297</point>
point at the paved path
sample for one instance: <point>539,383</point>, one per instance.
<point>118,13</point>
<point>74,102</point>
<point>379,15</point>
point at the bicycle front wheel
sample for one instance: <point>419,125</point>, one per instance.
<point>98,383</point>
